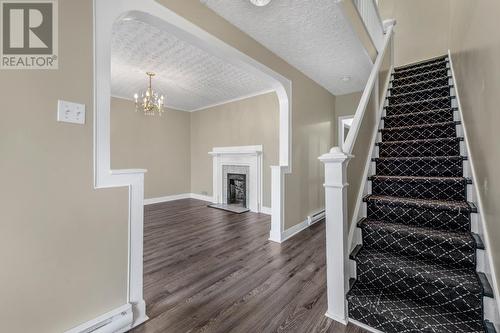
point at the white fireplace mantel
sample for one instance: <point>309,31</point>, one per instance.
<point>249,156</point>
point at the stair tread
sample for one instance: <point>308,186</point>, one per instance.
<point>458,237</point>
<point>419,91</point>
<point>420,63</point>
<point>419,102</point>
<point>417,141</point>
<point>420,66</point>
<point>489,327</point>
<point>410,114</point>
<point>402,314</point>
<point>422,203</point>
<point>421,74</point>
<point>409,158</point>
<point>403,128</point>
<point>421,269</point>
<point>486,286</point>
<point>419,83</point>
<point>421,69</point>
<point>419,178</point>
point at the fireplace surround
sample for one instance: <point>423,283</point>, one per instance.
<point>243,161</point>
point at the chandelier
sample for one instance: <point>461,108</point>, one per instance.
<point>149,101</point>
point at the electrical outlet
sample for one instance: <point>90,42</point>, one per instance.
<point>69,112</point>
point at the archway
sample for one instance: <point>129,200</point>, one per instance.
<point>108,12</point>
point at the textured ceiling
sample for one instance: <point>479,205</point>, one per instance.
<point>189,77</point>
<point>313,36</point>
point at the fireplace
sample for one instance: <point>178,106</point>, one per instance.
<point>237,189</point>
<point>237,178</point>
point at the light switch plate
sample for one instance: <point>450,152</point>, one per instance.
<point>69,112</point>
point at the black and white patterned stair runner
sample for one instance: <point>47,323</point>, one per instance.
<point>416,268</point>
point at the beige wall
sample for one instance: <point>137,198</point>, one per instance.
<point>312,111</point>
<point>475,49</point>
<point>63,245</point>
<point>345,105</point>
<point>421,30</point>
<point>252,121</point>
<point>162,145</point>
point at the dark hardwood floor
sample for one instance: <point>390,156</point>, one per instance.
<point>207,270</point>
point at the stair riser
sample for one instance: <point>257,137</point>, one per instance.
<point>420,86</point>
<point>419,119</point>
<point>369,316</point>
<point>375,315</point>
<point>420,70</point>
<point>424,168</point>
<point>435,61</point>
<point>438,219</point>
<point>439,74</point>
<point>443,103</point>
<point>419,96</point>
<point>415,287</point>
<point>423,149</point>
<point>420,133</point>
<point>435,190</point>
<point>441,251</point>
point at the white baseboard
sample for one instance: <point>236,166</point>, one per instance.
<point>363,326</point>
<point>167,198</point>
<point>117,320</point>
<point>151,201</point>
<point>202,197</point>
<point>266,210</point>
<point>296,229</point>
<point>343,321</point>
<point>290,232</point>
<point>174,197</point>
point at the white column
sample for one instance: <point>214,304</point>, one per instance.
<point>136,235</point>
<point>337,271</point>
<point>277,202</point>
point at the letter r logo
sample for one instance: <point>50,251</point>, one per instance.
<point>27,27</point>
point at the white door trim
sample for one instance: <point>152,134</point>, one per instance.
<point>105,14</point>
<point>343,123</point>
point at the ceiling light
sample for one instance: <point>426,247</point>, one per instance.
<point>149,101</point>
<point>260,3</point>
<point>345,78</point>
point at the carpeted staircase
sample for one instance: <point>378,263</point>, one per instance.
<point>416,269</point>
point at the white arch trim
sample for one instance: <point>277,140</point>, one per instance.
<point>105,14</point>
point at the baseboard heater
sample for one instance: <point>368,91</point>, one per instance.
<point>118,320</point>
<point>318,216</point>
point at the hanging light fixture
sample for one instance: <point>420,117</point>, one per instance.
<point>149,101</point>
<point>260,3</point>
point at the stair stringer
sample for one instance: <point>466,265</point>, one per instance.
<point>484,258</point>
<point>354,237</point>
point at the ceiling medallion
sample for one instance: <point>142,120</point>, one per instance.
<point>149,101</point>
<point>260,3</point>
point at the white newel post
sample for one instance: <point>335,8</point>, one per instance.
<point>337,230</point>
